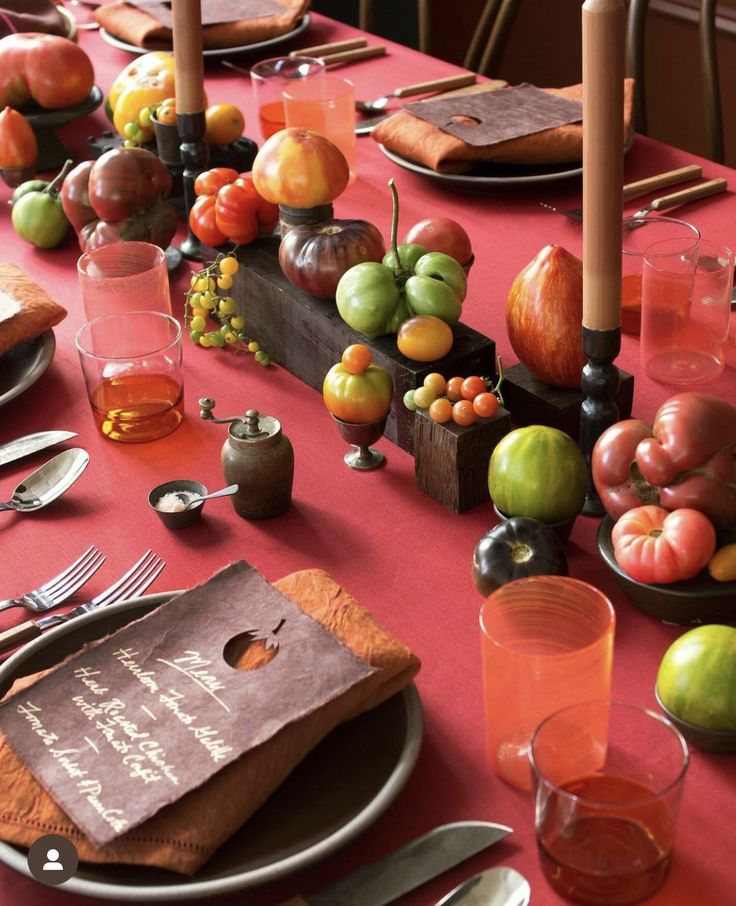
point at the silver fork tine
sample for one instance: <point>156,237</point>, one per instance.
<point>146,580</point>
<point>60,591</point>
<point>47,586</point>
<point>119,588</point>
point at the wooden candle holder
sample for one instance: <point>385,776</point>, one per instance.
<point>307,336</point>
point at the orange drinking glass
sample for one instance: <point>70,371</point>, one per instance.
<point>326,105</point>
<point>547,642</point>
<point>608,780</point>
<point>269,78</point>
<point>122,277</point>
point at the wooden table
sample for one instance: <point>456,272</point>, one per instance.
<point>404,556</point>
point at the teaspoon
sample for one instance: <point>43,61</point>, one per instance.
<point>48,482</point>
<point>189,502</point>
<point>501,886</point>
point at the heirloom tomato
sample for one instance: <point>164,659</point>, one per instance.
<point>686,458</point>
<point>654,545</point>
<point>538,472</point>
<point>300,168</point>
<point>441,234</point>
<point>516,548</point>
<point>224,124</point>
<point>202,221</point>
<point>125,180</point>
<point>143,83</point>
<point>696,679</point>
<point>48,69</point>
<point>209,182</point>
<point>38,216</point>
<point>424,338</point>
<point>18,145</point>
<point>314,257</point>
<point>355,390</point>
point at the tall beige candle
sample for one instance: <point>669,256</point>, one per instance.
<point>604,49</point>
<point>188,59</point>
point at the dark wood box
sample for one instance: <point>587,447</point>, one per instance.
<point>307,336</point>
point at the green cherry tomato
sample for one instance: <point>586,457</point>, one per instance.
<point>39,218</point>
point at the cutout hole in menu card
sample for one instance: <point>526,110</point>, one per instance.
<point>490,117</point>
<point>136,720</point>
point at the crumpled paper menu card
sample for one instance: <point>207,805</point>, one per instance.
<point>164,719</point>
<point>225,23</point>
<point>422,140</point>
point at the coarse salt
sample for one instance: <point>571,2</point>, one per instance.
<point>172,502</point>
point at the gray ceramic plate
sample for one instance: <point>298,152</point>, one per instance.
<point>24,364</point>
<point>301,25</point>
<point>319,808</point>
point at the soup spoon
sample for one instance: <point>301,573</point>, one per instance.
<point>48,482</point>
<point>501,886</point>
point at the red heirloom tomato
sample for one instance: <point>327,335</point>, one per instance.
<point>441,234</point>
<point>75,196</point>
<point>209,182</point>
<point>51,70</point>
<point>355,390</point>
<point>18,145</point>
<point>685,459</point>
<point>124,180</point>
<point>300,168</point>
<point>655,545</point>
<point>202,221</point>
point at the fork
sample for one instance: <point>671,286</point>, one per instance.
<point>131,584</point>
<point>61,587</point>
<point>641,187</point>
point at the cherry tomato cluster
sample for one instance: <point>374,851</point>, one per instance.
<point>203,300</point>
<point>462,400</point>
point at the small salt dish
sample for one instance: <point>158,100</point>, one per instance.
<point>164,495</point>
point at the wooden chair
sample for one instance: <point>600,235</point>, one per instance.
<point>368,21</point>
<point>636,28</point>
<point>490,36</point>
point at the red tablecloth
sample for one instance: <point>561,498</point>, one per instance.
<point>401,553</point>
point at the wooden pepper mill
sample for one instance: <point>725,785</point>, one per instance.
<point>258,457</point>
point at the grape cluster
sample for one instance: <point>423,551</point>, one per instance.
<point>203,301</point>
<point>461,400</point>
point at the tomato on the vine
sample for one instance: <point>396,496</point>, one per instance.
<point>463,413</point>
<point>472,387</point>
<point>656,545</point>
<point>485,405</point>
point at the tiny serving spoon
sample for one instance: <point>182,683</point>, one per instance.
<point>189,502</point>
<point>48,482</point>
<point>501,886</point>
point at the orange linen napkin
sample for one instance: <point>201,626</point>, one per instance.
<point>183,836</point>
<point>421,141</point>
<point>26,311</point>
<point>137,26</point>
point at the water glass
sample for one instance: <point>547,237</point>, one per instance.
<point>132,367</point>
<point>547,641</point>
<point>638,234</point>
<point>326,105</point>
<point>608,779</point>
<point>122,277</point>
<point>269,78</point>
<point>686,303</point>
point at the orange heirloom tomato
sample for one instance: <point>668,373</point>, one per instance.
<point>300,168</point>
<point>18,146</point>
<point>202,221</point>
<point>357,396</point>
<point>53,71</point>
<point>143,83</point>
<point>209,182</point>
<point>424,338</point>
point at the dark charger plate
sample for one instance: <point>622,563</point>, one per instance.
<point>24,364</point>
<point>699,600</point>
<point>337,792</point>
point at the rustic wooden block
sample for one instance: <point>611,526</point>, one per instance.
<point>451,461</point>
<point>532,402</point>
<point>307,336</point>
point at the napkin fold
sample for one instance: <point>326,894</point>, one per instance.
<point>183,836</point>
<point>31,15</point>
<point>425,143</point>
<point>26,310</point>
<point>144,25</point>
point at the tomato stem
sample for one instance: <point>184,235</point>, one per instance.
<point>51,188</point>
<point>496,389</point>
<point>400,272</point>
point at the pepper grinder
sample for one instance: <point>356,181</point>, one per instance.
<point>258,457</point>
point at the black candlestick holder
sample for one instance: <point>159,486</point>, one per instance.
<point>598,411</point>
<point>194,159</point>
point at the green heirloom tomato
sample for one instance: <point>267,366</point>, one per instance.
<point>30,185</point>
<point>538,472</point>
<point>358,398</point>
<point>426,296</point>
<point>37,215</point>
<point>409,254</point>
<point>367,297</point>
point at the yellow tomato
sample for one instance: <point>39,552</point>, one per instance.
<point>424,338</point>
<point>144,82</point>
<point>224,124</point>
<point>166,111</point>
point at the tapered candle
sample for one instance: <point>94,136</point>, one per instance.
<point>188,58</point>
<point>604,49</point>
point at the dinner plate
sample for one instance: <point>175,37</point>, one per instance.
<point>301,25</point>
<point>24,364</point>
<point>337,792</point>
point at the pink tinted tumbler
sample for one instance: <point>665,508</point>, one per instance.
<point>547,642</point>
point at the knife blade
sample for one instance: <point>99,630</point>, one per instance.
<point>406,868</point>
<point>31,443</point>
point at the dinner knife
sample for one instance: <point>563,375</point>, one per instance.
<point>406,868</point>
<point>31,443</point>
